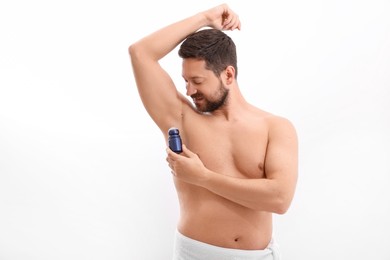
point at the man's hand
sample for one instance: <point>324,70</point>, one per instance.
<point>223,18</point>
<point>187,166</point>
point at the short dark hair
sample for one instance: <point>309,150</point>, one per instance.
<point>213,46</point>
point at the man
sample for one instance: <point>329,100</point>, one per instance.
<point>239,163</point>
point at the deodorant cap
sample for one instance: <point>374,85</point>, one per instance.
<point>173,131</point>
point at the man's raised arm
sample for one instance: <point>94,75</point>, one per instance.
<point>157,90</point>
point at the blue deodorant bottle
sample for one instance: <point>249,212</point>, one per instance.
<point>174,140</point>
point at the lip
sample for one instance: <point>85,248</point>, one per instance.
<point>197,100</point>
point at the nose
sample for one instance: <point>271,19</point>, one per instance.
<point>190,90</point>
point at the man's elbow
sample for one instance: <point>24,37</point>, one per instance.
<point>281,209</point>
<point>133,50</point>
<point>140,54</point>
<point>138,51</point>
<point>282,205</point>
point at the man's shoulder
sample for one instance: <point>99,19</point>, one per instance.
<point>280,125</point>
<point>278,120</point>
<point>273,120</point>
<point>275,124</point>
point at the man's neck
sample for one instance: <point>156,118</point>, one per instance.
<point>233,108</point>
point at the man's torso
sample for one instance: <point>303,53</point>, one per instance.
<point>236,148</point>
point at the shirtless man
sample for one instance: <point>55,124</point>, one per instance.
<point>239,163</point>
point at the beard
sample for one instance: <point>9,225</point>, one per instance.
<point>212,105</point>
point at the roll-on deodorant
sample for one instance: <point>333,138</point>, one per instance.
<point>174,140</point>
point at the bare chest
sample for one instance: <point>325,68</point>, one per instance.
<point>238,150</point>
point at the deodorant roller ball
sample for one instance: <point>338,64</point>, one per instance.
<point>174,140</point>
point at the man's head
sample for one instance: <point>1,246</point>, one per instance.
<point>209,64</point>
<point>213,46</point>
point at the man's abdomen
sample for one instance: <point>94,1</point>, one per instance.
<point>209,218</point>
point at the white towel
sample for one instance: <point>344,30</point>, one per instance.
<point>186,248</point>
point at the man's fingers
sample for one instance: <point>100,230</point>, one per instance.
<point>187,152</point>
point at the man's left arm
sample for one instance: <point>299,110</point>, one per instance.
<point>273,193</point>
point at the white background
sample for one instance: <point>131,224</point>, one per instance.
<point>82,166</point>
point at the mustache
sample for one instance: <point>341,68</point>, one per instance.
<point>197,95</point>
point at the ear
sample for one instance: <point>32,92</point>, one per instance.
<point>230,74</point>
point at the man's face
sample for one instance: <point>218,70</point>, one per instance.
<point>206,90</point>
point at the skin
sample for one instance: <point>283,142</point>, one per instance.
<point>239,163</point>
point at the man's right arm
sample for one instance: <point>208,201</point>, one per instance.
<point>157,91</point>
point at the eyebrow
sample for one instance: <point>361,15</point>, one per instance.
<point>194,77</point>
